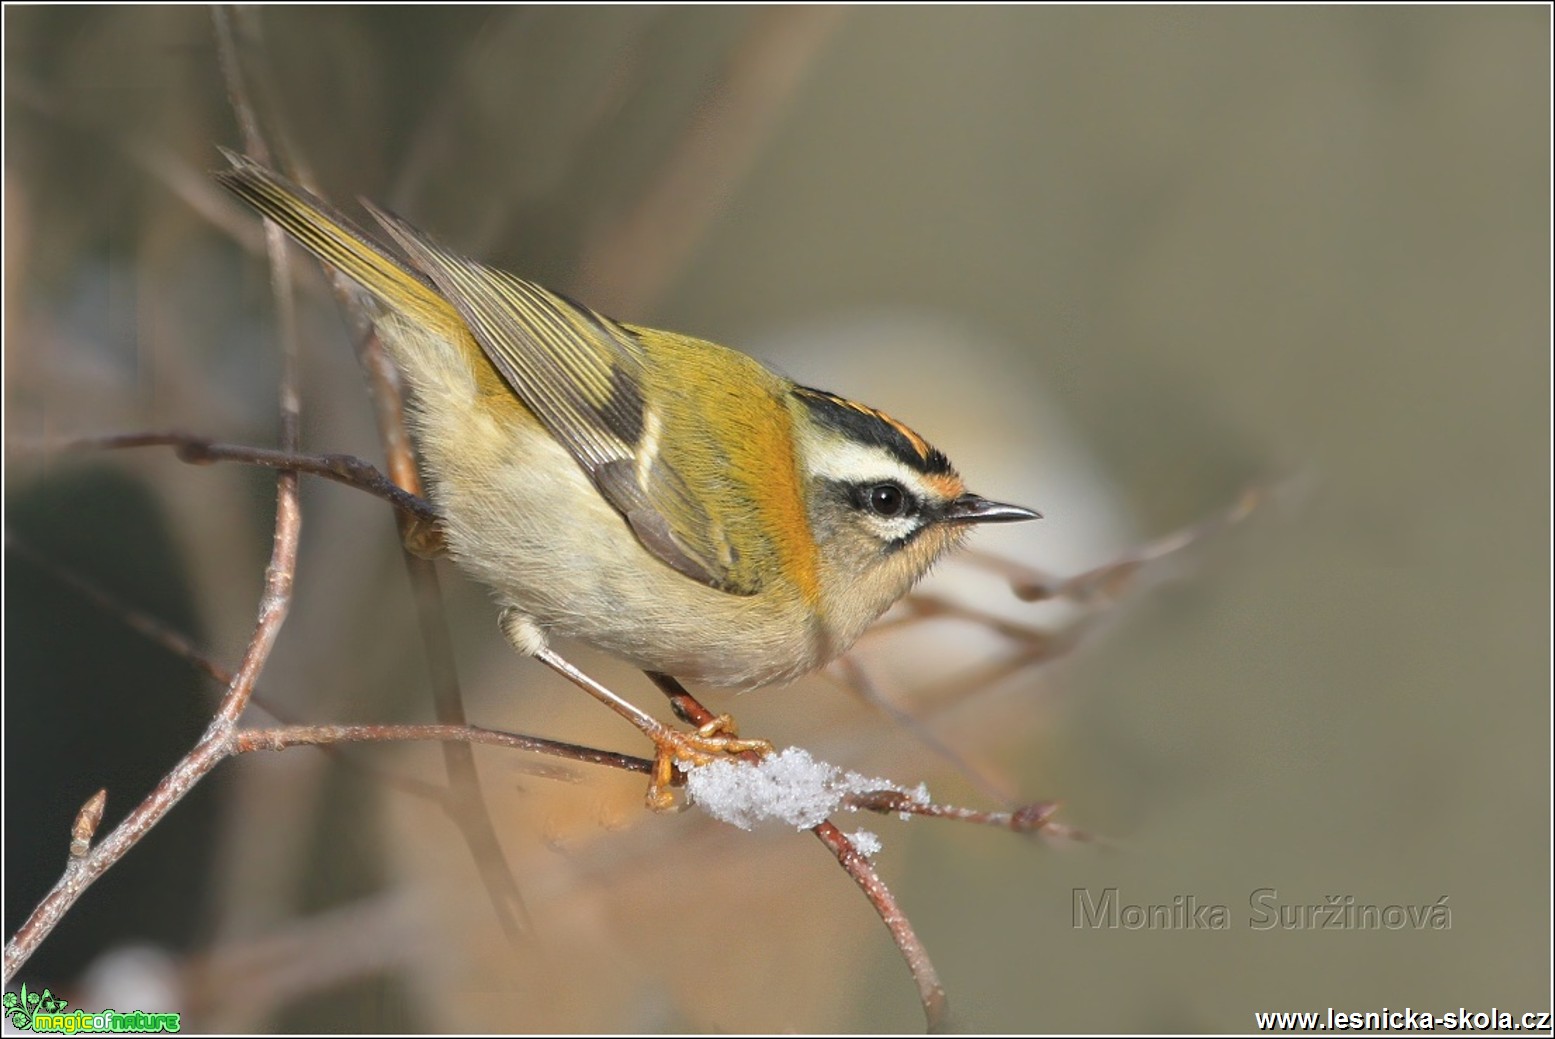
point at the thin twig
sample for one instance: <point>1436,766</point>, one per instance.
<point>250,740</point>
<point>221,741</point>
<point>199,450</point>
<point>1036,817</point>
<point>859,682</point>
<point>137,621</point>
<point>931,993</point>
<point>275,601</point>
<point>1103,585</point>
<point>420,537</point>
<point>80,873</point>
<point>183,648</point>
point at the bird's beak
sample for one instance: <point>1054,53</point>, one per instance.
<point>969,508</point>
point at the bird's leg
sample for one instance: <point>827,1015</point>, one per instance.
<point>709,726</point>
<point>713,737</point>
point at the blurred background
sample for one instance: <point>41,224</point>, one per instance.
<point>1120,264</point>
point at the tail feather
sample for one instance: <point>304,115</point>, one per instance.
<point>337,240</point>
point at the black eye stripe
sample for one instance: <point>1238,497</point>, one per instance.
<point>847,508</point>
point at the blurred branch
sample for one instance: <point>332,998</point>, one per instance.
<point>229,985</point>
<point>856,680</point>
<point>180,646</point>
<point>1095,592</point>
<point>186,182</point>
<point>628,264</point>
<point>1103,586</point>
<point>467,805</point>
<point>439,117</point>
<point>142,624</point>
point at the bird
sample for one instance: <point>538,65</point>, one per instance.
<point>663,498</point>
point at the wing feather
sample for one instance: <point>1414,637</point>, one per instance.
<point>585,377</point>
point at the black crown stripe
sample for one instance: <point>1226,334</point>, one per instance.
<point>869,426</point>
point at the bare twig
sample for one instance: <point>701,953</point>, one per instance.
<point>1036,817</point>
<point>137,621</point>
<point>1103,585</point>
<point>183,648</point>
<point>198,450</point>
<point>858,681</point>
<point>81,872</point>
<point>931,993</point>
<point>323,735</point>
<point>288,517</point>
<point>220,741</point>
<point>217,741</point>
<point>419,535</point>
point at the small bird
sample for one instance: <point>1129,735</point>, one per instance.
<point>666,499</point>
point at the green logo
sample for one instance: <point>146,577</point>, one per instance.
<point>45,1012</point>
<point>22,1007</point>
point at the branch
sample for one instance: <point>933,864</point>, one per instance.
<point>630,263</point>
<point>1103,586</point>
<point>220,741</point>
<point>931,993</point>
<point>217,741</point>
<point>421,539</point>
<point>250,740</point>
<point>199,450</point>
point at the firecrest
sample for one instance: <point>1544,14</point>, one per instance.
<point>657,496</point>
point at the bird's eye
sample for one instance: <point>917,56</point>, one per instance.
<point>887,499</point>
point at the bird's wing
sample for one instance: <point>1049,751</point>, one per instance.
<point>584,376</point>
